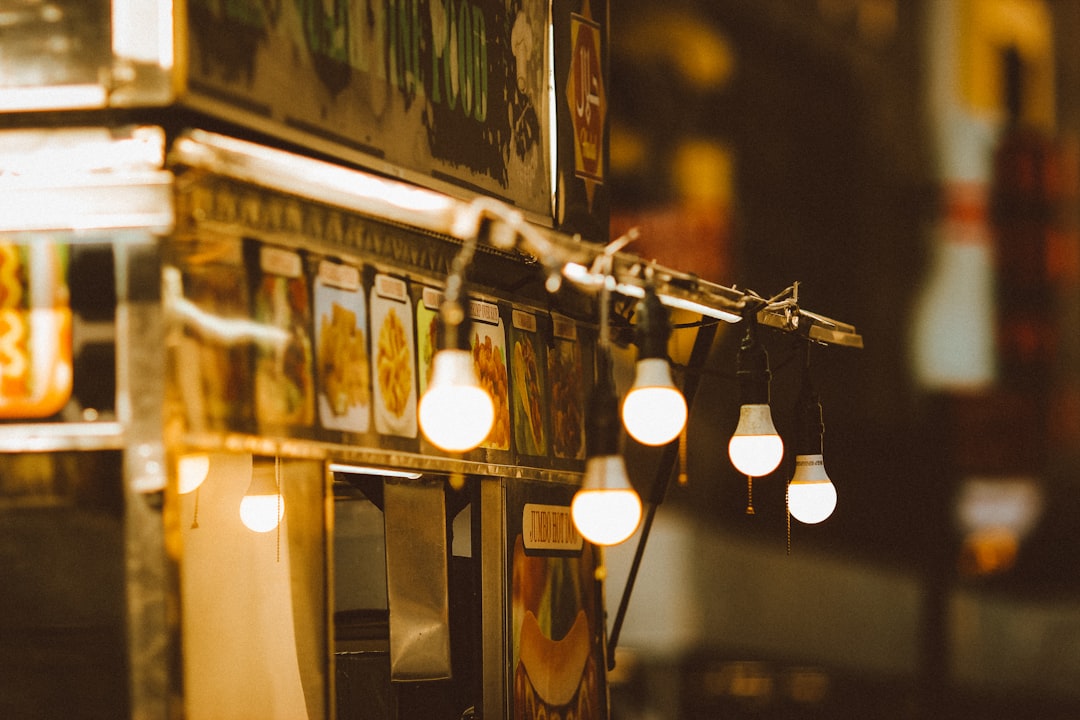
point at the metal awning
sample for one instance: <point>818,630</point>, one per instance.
<point>563,257</point>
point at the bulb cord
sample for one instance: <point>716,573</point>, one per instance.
<point>809,422</point>
<point>277,485</point>
<point>455,281</point>
<point>752,363</point>
<point>452,313</point>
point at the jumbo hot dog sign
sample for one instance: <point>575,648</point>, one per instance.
<point>549,527</point>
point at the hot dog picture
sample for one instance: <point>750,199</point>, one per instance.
<point>35,330</point>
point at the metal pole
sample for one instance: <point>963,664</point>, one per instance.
<point>665,469</point>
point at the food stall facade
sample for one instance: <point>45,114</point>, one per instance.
<point>434,575</point>
<point>195,323</point>
<point>227,229</point>
<point>267,334</point>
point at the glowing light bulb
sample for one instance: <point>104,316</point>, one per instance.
<point>192,471</point>
<point>811,495</point>
<point>262,506</point>
<point>654,411</point>
<point>607,509</point>
<point>455,412</point>
<point>755,447</point>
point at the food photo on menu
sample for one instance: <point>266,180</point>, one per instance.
<point>566,373</point>
<point>216,379</point>
<point>489,358</point>
<point>392,358</point>
<point>427,333</point>
<point>527,377</point>
<point>342,361</point>
<point>284,388</point>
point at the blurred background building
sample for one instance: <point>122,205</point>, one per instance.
<point>914,166</point>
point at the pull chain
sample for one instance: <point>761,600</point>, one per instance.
<point>683,477</point>
<point>195,517</point>
<point>277,483</point>
<point>749,495</point>
<point>787,508</point>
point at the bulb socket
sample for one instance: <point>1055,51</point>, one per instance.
<point>653,329</point>
<point>809,423</point>
<point>603,426</point>
<point>752,369</point>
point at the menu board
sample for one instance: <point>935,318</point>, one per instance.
<point>489,357</point>
<point>527,371</point>
<point>566,401</point>
<point>393,357</point>
<point>556,618</point>
<point>35,330</point>
<point>306,344</point>
<point>341,349</point>
<point>284,385</point>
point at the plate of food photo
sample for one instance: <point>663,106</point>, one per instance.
<point>393,367</point>
<point>341,357</point>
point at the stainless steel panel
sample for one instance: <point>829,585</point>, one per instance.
<point>417,579</point>
<point>84,54</point>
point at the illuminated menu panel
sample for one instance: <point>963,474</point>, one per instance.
<point>528,372</point>
<point>282,337</point>
<point>341,354</point>
<point>35,330</point>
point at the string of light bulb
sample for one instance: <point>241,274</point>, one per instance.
<point>456,413</point>
<point>654,412</point>
<point>560,258</point>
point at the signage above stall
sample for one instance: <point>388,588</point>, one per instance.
<point>468,97</point>
<point>588,101</point>
<point>448,93</point>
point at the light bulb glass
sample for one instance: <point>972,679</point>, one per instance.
<point>654,411</point>
<point>811,495</point>
<point>262,513</point>
<point>455,412</point>
<point>755,448</point>
<point>263,506</point>
<point>606,510</point>
<point>192,471</point>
